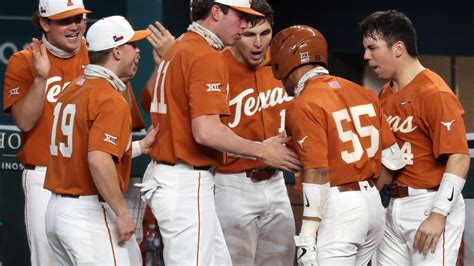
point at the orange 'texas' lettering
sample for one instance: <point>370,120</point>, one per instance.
<point>70,3</point>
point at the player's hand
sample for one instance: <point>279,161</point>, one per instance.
<point>276,154</point>
<point>306,251</point>
<point>40,58</point>
<point>160,38</point>
<point>126,228</point>
<point>428,233</point>
<point>149,139</point>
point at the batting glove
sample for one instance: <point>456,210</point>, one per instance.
<point>147,188</point>
<point>307,253</point>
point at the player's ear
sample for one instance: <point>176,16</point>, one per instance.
<point>116,53</point>
<point>215,12</point>
<point>399,48</point>
<point>44,24</point>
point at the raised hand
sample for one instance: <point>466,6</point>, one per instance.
<point>160,38</point>
<point>40,58</point>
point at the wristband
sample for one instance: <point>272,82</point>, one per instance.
<point>315,197</point>
<point>448,192</point>
<point>136,149</point>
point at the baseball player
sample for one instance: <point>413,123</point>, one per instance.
<point>87,221</point>
<point>338,132</point>
<point>33,79</point>
<point>188,98</point>
<point>251,198</point>
<point>425,218</point>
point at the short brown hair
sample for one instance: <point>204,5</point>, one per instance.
<point>263,7</point>
<point>99,57</point>
<point>35,19</point>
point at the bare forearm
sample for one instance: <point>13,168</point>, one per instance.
<point>316,176</point>
<point>458,164</point>
<point>105,179</point>
<point>27,110</point>
<point>224,139</point>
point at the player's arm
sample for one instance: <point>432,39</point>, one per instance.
<point>27,110</point>
<point>142,146</point>
<point>209,131</point>
<point>104,175</point>
<point>306,123</point>
<point>451,142</point>
<point>315,188</point>
<point>453,181</point>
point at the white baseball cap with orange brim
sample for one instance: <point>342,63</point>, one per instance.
<point>61,9</point>
<point>240,5</point>
<point>112,32</point>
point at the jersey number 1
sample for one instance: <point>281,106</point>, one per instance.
<point>67,124</point>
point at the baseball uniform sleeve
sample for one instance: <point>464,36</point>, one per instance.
<point>137,119</point>
<point>111,128</point>
<point>387,138</point>
<point>444,116</point>
<point>208,85</point>
<point>145,99</point>
<point>18,79</point>
<point>308,129</point>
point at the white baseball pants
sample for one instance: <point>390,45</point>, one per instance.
<point>352,226</point>
<point>404,216</point>
<point>256,219</point>
<point>36,201</point>
<point>83,231</point>
<point>184,207</point>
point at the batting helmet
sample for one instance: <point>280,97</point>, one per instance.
<point>295,46</point>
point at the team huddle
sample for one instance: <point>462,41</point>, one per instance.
<point>232,107</point>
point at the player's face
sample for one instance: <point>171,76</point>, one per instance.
<point>130,59</point>
<point>66,34</point>
<point>252,46</point>
<point>231,26</point>
<point>380,57</point>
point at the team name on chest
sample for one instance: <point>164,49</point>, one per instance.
<point>249,103</point>
<point>403,125</point>
<point>54,86</point>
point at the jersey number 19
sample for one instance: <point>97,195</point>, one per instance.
<point>67,124</point>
